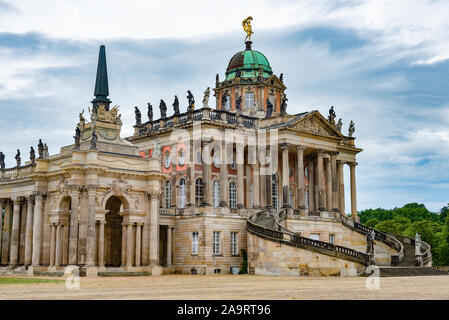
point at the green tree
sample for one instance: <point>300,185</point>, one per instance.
<point>372,222</point>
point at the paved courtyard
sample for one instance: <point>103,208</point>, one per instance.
<point>232,287</point>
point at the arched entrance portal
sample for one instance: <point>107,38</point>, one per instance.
<point>113,233</point>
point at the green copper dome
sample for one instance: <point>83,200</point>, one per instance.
<point>248,62</point>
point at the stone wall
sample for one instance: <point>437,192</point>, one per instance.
<point>266,257</point>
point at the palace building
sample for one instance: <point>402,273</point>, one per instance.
<point>205,191</point>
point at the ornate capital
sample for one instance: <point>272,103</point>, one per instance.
<point>284,146</point>
<point>341,162</point>
<point>334,153</point>
<point>352,164</point>
<point>301,147</point>
<point>39,195</point>
<point>30,199</point>
<point>153,194</point>
<point>91,189</point>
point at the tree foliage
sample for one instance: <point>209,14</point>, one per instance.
<point>414,218</point>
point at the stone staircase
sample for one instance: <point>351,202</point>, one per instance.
<point>399,271</point>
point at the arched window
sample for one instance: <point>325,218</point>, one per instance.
<point>232,195</point>
<point>182,193</point>
<point>198,192</point>
<point>274,191</point>
<point>167,199</point>
<point>216,193</point>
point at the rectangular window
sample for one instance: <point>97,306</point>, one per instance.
<point>249,99</point>
<point>195,242</point>
<point>332,238</point>
<point>315,236</point>
<point>228,103</point>
<point>216,243</point>
<point>234,243</point>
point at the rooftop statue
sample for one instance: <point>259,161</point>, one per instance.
<point>284,104</point>
<point>163,109</point>
<point>77,138</point>
<point>93,141</point>
<point>138,116</point>
<point>269,109</point>
<point>32,156</point>
<point>82,120</point>
<point>191,101</point>
<point>351,128</point>
<point>150,112</point>
<point>206,98</point>
<point>217,80</point>
<point>332,115</point>
<point>40,149</point>
<point>281,77</point>
<point>18,159</point>
<point>260,75</point>
<point>176,105</point>
<point>247,28</point>
<point>2,160</point>
<point>238,74</point>
<point>46,154</point>
<point>339,124</point>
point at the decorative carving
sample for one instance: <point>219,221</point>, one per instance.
<point>314,125</point>
<point>119,185</point>
<point>163,109</point>
<point>93,141</point>
<point>82,120</point>
<point>206,97</point>
<point>339,124</point>
<point>101,113</point>
<point>157,149</point>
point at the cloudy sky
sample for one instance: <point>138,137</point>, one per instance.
<point>383,64</point>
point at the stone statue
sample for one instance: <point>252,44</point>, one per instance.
<point>224,99</point>
<point>138,116</point>
<point>18,159</point>
<point>32,156</point>
<point>284,105</point>
<point>77,138</point>
<point>150,112</point>
<point>176,105</point>
<point>260,76</point>
<point>217,80</point>
<point>163,109</point>
<point>93,141</point>
<point>82,120</point>
<point>332,115</point>
<point>351,128</point>
<point>269,109</point>
<point>281,77</point>
<point>247,27</point>
<point>46,154</point>
<point>238,74</point>
<point>370,246</point>
<point>206,98</point>
<point>157,149</point>
<point>339,124</point>
<point>40,149</point>
<point>2,160</point>
<point>238,103</point>
<point>191,101</point>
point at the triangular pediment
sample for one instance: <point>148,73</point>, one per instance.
<point>315,123</point>
<point>273,81</point>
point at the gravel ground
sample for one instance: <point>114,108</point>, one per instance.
<point>222,287</point>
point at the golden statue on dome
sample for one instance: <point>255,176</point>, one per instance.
<point>247,27</point>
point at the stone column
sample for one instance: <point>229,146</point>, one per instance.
<point>341,186</point>
<point>285,177</point>
<point>311,190</point>
<point>23,222</point>
<point>353,192</point>
<point>169,246</point>
<point>334,181</point>
<point>123,258</point>
<point>328,184</point>
<point>73,235</point>
<point>320,168</point>
<point>52,245</point>
<point>91,233</point>
<point>206,177</point>
<point>101,243</point>
<point>248,186</point>
<point>2,207</point>
<point>223,176</point>
<point>138,243</point>
<point>300,182</point>
<point>240,158</point>
<point>58,245</point>
<point>65,243</point>
<point>129,245</point>
<point>6,226</point>
<point>268,184</point>
<point>14,253</point>
<point>256,183</point>
<point>37,229</point>
<point>154,230</point>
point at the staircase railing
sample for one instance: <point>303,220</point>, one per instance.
<point>290,238</point>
